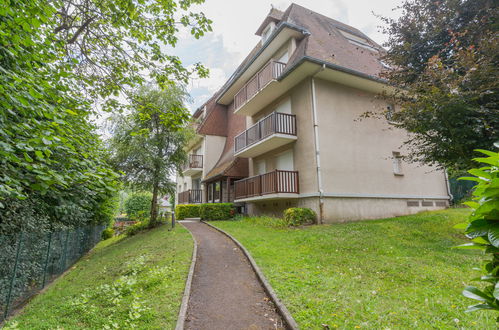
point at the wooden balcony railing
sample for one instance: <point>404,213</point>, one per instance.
<point>276,122</point>
<point>194,161</point>
<point>191,196</point>
<point>272,70</point>
<point>274,182</point>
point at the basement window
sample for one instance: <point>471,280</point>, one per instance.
<point>397,163</point>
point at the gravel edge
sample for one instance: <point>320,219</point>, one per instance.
<point>188,282</point>
<point>281,308</point>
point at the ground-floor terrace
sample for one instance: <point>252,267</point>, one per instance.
<point>273,192</point>
<point>218,190</point>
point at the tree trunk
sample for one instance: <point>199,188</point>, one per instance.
<point>154,207</point>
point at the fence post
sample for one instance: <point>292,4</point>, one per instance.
<point>7,305</point>
<point>46,260</point>
<point>64,253</point>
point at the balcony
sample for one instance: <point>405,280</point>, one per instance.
<point>271,132</point>
<point>191,196</point>
<point>273,185</point>
<point>268,74</point>
<point>193,165</point>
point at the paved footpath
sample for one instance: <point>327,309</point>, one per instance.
<point>225,292</point>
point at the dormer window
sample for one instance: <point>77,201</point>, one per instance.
<point>358,41</point>
<point>267,32</point>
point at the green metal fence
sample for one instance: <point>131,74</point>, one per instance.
<point>460,189</point>
<point>30,260</point>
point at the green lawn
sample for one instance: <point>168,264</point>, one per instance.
<point>398,273</point>
<point>134,282</point>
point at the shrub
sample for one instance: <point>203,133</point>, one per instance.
<point>217,211</point>
<point>186,211</point>
<point>136,228</point>
<point>296,216</point>
<point>483,230</point>
<point>107,233</point>
<point>138,205</point>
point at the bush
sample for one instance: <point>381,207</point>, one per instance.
<point>138,205</point>
<point>483,230</point>
<point>217,211</point>
<point>296,216</point>
<point>136,228</point>
<point>107,233</point>
<point>186,211</point>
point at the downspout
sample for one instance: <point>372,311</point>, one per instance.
<point>317,149</point>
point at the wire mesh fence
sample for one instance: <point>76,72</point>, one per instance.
<point>30,260</point>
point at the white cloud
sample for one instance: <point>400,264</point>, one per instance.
<point>216,79</point>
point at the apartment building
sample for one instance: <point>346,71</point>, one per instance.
<point>287,130</point>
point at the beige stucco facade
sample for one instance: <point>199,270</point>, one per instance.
<point>311,75</point>
<point>356,156</point>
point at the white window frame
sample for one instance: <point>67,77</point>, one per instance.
<point>397,163</point>
<point>267,32</point>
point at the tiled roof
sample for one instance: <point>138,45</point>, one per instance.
<point>326,42</point>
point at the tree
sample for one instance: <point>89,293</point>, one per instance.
<point>444,57</point>
<point>54,169</point>
<point>113,46</point>
<point>147,143</point>
<point>138,205</point>
<point>57,59</point>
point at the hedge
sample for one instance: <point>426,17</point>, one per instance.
<point>296,216</point>
<point>216,211</point>
<point>183,211</point>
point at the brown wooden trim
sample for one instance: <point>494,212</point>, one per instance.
<point>276,122</point>
<point>278,181</point>
<point>193,161</point>
<point>191,196</point>
<point>270,71</point>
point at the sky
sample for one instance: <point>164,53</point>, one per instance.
<point>234,26</point>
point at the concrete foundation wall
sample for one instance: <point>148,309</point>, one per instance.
<point>338,210</point>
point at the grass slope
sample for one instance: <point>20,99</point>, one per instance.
<point>398,273</point>
<point>134,282</point>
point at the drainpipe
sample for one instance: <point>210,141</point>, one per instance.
<point>317,149</point>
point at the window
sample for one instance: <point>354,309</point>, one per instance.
<point>267,32</point>
<point>397,163</point>
<point>217,192</point>
<point>260,167</point>
<point>284,161</point>
<point>284,58</point>
<point>390,110</point>
<point>210,192</point>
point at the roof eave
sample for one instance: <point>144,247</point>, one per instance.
<point>280,27</point>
